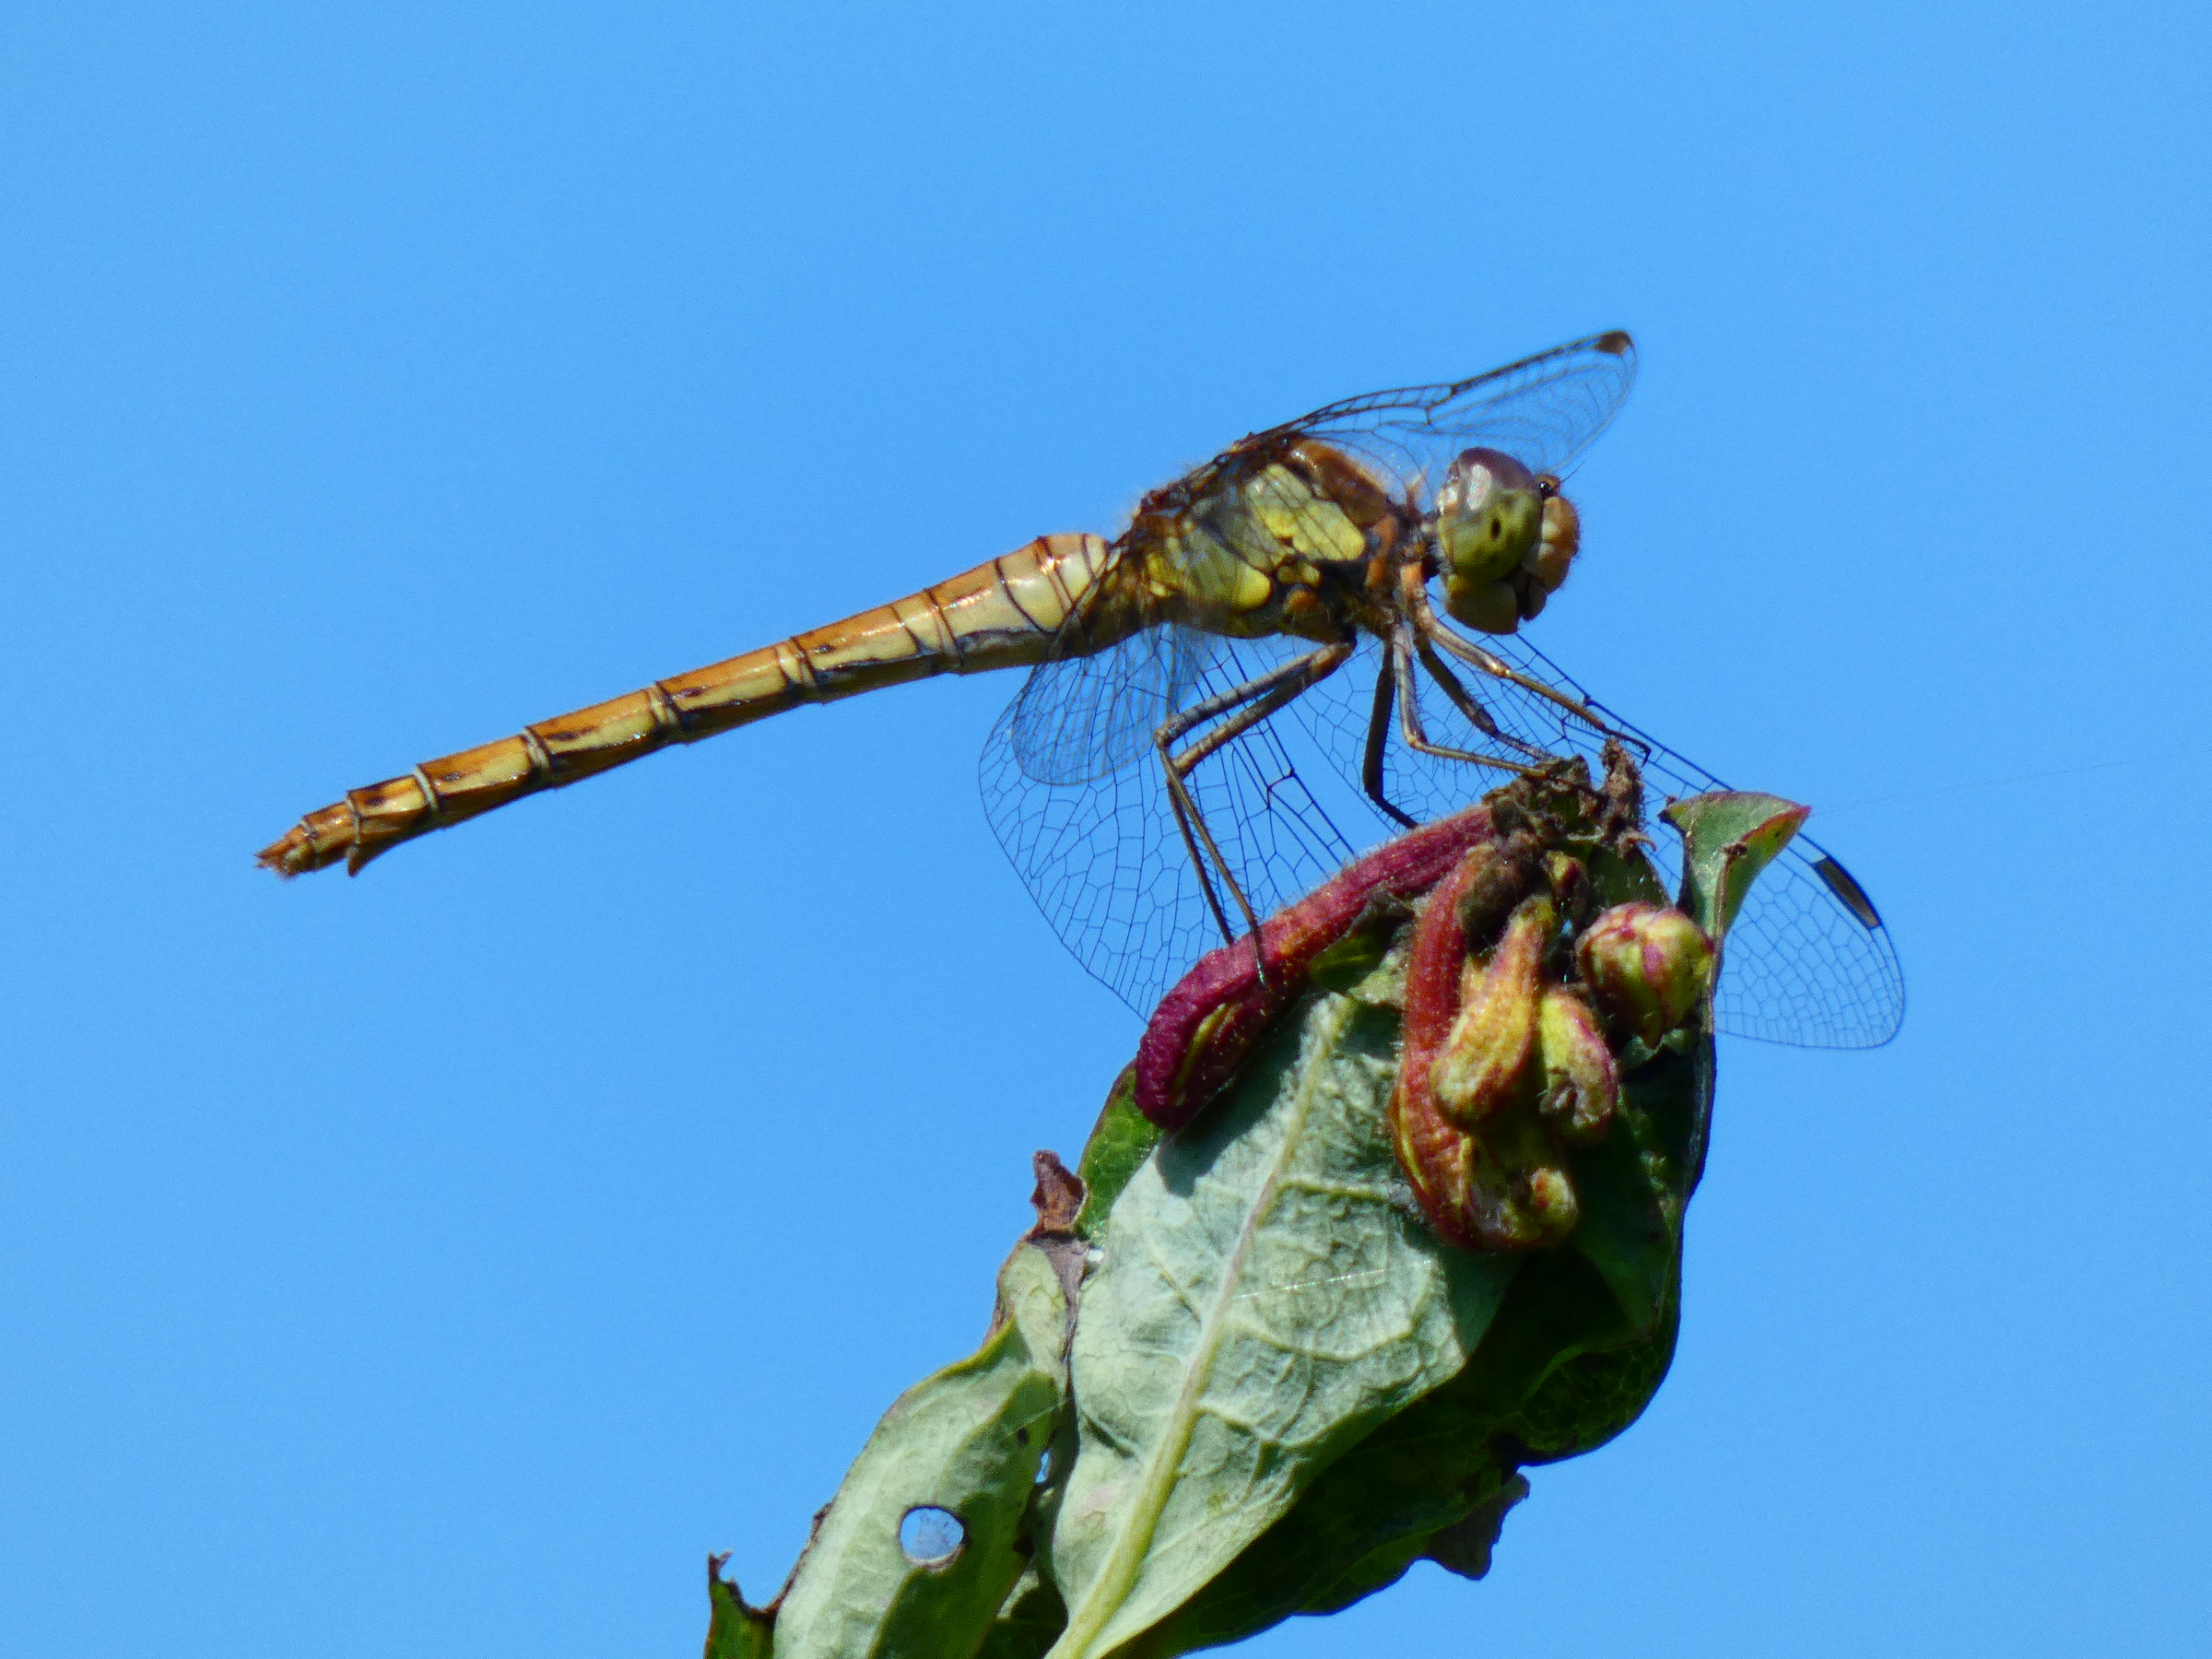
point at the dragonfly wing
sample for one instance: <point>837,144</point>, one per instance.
<point>1809,961</point>
<point>1544,411</point>
<point>1082,811</point>
<point>1103,856</point>
<point>1080,718</point>
<point>1238,511</point>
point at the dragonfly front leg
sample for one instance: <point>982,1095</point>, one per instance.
<point>1471,708</point>
<point>1246,706</point>
<point>1432,630</point>
<point>1409,711</point>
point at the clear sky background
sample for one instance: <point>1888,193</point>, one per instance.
<point>444,1262</point>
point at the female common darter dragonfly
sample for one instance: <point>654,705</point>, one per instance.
<point>1256,660</point>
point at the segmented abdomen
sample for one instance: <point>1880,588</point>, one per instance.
<point>1002,614</point>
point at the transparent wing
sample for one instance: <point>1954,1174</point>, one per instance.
<point>1078,718</point>
<point>1101,854</point>
<point>1809,961</point>
<point>1544,411</point>
<point>1077,800</point>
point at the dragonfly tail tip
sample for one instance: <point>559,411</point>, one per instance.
<point>286,858</point>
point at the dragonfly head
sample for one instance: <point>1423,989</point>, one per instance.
<point>1505,537</point>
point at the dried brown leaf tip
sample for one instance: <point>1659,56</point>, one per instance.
<point>1058,1195</point>
<point>1058,1200</point>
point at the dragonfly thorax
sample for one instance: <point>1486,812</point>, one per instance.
<point>1278,544</point>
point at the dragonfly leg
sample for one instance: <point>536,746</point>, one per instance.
<point>1433,631</point>
<point>1378,739</point>
<point>1416,736</point>
<point>1187,816</point>
<point>1246,706</point>
<point>1470,706</point>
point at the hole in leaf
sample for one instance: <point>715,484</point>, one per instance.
<point>931,1537</point>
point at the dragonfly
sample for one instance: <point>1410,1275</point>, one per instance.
<point>1224,700</point>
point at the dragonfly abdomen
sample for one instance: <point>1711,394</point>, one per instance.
<point>1002,614</point>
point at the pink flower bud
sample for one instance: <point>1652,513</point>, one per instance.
<point>1209,1024</point>
<point>1648,966</point>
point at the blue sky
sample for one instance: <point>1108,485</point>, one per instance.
<point>444,1262</point>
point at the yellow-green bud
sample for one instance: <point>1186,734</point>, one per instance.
<point>1485,1064</point>
<point>1648,966</point>
<point>1567,877</point>
<point>1582,1084</point>
<point>1548,1203</point>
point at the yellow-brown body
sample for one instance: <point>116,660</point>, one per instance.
<point>1282,538</point>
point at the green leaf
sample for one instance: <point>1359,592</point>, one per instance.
<point>1622,877</point>
<point>1266,1299</point>
<point>735,1631</point>
<point>1727,839</point>
<point>1287,1391</point>
<point>1633,1185</point>
<point>970,1441</point>
<point>1379,1509</point>
<point>1030,1622</point>
<point>1120,1142</point>
<point>1571,1358</point>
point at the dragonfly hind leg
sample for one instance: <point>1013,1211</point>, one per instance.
<point>1245,706</point>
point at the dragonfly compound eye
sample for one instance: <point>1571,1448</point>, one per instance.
<point>1489,514</point>
<point>1548,561</point>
